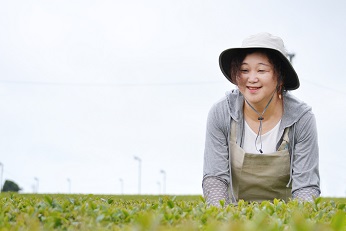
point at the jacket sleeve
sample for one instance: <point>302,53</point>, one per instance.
<point>305,169</point>
<point>216,166</point>
<point>214,190</point>
<point>306,194</point>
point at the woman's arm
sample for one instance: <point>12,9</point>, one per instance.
<point>214,190</point>
<point>216,164</point>
<point>306,194</point>
<point>305,175</point>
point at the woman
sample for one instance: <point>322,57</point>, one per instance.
<point>261,141</point>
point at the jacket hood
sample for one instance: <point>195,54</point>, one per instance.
<point>294,109</point>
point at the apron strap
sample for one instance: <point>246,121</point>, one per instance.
<point>233,134</point>
<point>285,140</point>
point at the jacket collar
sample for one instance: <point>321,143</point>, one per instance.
<point>294,108</point>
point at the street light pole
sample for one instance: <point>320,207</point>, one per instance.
<point>139,173</point>
<point>159,184</point>
<point>121,186</point>
<point>164,181</point>
<point>69,185</point>
<point>2,170</point>
<point>36,179</point>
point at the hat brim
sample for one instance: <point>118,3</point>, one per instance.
<point>291,81</point>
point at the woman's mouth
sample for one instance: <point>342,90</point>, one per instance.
<point>253,89</point>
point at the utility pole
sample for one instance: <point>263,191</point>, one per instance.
<point>36,179</point>
<point>159,184</point>
<point>2,170</point>
<point>69,185</point>
<point>164,181</point>
<point>121,186</point>
<point>139,173</point>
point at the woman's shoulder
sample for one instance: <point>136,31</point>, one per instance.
<point>295,108</point>
<point>228,104</point>
<point>219,109</point>
<point>294,100</point>
<point>297,112</point>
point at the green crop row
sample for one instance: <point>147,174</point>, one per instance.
<point>96,212</point>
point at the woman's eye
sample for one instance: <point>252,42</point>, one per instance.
<point>244,71</point>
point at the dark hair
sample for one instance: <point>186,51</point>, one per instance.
<point>273,58</point>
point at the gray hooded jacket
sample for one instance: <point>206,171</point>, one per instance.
<point>303,146</point>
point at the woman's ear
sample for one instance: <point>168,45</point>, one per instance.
<point>280,89</point>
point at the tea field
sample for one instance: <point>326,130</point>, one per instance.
<point>144,212</point>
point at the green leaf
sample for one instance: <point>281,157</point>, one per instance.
<point>341,206</point>
<point>222,203</point>
<point>339,221</point>
<point>170,204</point>
<point>318,200</point>
<point>48,199</point>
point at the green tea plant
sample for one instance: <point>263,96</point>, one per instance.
<point>108,212</point>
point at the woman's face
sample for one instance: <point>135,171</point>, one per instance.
<point>256,79</point>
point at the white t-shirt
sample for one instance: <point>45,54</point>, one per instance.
<point>269,140</point>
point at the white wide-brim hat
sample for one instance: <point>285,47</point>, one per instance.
<point>262,41</point>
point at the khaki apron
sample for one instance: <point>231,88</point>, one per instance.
<point>259,177</point>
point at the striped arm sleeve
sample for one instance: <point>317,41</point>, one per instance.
<point>306,194</point>
<point>214,190</point>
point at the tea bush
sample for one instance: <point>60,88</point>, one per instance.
<point>109,212</point>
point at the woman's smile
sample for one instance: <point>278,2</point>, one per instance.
<point>253,89</point>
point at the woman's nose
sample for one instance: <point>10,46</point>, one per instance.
<point>252,78</point>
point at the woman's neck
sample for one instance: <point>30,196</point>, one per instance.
<point>273,110</point>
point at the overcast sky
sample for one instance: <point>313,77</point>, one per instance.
<point>87,85</point>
